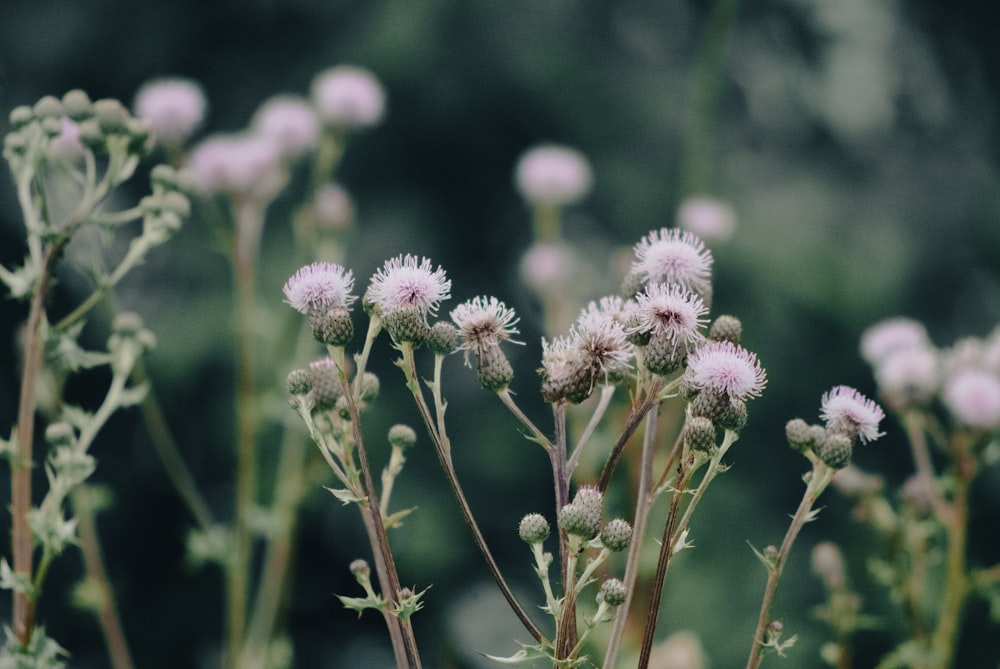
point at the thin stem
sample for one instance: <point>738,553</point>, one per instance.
<point>644,503</point>
<point>442,446</point>
<point>566,633</point>
<point>820,478</point>
<point>107,612</point>
<point>631,425</point>
<point>22,463</point>
<point>607,392</point>
<point>508,401</point>
<point>915,424</point>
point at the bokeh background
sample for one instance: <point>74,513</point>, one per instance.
<point>857,140</point>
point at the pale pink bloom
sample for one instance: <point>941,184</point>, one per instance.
<point>908,376</point>
<point>483,322</point>
<point>725,367</point>
<point>290,122</point>
<point>405,282</point>
<point>553,175</point>
<point>973,397</point>
<point>348,97</point>
<point>674,256</point>
<point>671,311</point>
<point>844,408</point>
<point>243,165</point>
<point>612,307</point>
<point>966,353</point>
<point>892,334</point>
<point>320,286</point>
<point>547,266</point>
<point>67,146</point>
<point>173,108</point>
<point>602,341</point>
<point>560,358</point>
<point>332,206</point>
<point>710,219</point>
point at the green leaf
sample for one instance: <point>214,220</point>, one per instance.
<point>20,281</point>
<point>133,396</point>
<point>396,519</point>
<point>11,580</point>
<point>525,655</point>
<point>345,496</point>
<point>360,604</point>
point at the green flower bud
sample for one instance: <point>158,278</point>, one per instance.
<point>699,434</point>
<point>710,403</point>
<point>664,355</point>
<point>802,436</point>
<point>91,136</point>
<point>402,436</point>
<point>495,372</point>
<point>612,592</point>
<point>77,105</point>
<point>735,417</point>
<point>726,328</point>
<point>326,388</point>
<point>60,434</point>
<point>21,116</point>
<point>48,107</point>
<point>406,325</point>
<point>616,535</point>
<point>443,338</point>
<point>835,450</point>
<point>583,517</point>
<point>633,284</point>
<point>533,528</point>
<point>362,572</point>
<point>127,323</point>
<point>112,117</point>
<point>333,327</point>
<point>177,203</point>
<point>369,387</point>
<point>299,382</point>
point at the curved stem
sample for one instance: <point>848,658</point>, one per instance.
<point>631,425</point>
<point>508,402</point>
<point>607,392</point>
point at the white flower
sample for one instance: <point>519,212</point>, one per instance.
<point>890,335</point>
<point>710,219</point>
<point>553,175</point>
<point>845,409</point>
<point>348,97</point>
<point>319,287</point>
<point>671,311</point>
<point>674,256</point>
<point>405,282</point>
<point>290,122</point>
<point>602,341</point>
<point>173,108</point>
<point>725,367</point>
<point>973,397</point>
<point>483,322</point>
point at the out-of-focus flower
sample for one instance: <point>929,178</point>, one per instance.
<point>908,376</point>
<point>173,108</point>
<point>241,165</point>
<point>333,207</point>
<point>553,175</point>
<point>290,122</point>
<point>548,266</point>
<point>348,97</point>
<point>890,335</point>
<point>711,219</point>
<point>973,397</point>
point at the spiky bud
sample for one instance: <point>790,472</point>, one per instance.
<point>804,437</point>
<point>533,528</point>
<point>332,327</point>
<point>612,592</point>
<point>402,436</point>
<point>835,450</point>
<point>699,434</point>
<point>735,417</point>
<point>663,354</point>
<point>710,403</point>
<point>299,382</point>
<point>406,325</point>
<point>616,535</point>
<point>495,372</point>
<point>583,517</point>
<point>726,328</point>
<point>443,338</point>
<point>326,388</point>
<point>633,284</point>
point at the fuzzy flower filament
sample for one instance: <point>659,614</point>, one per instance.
<point>847,411</point>
<point>403,292</point>
<point>724,367</point>
<point>483,322</point>
<point>670,255</point>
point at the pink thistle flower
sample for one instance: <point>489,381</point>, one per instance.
<point>242,165</point>
<point>348,97</point>
<point>601,340</point>
<point>290,122</point>
<point>407,283</point>
<point>707,217</point>
<point>846,410</point>
<point>973,397</point>
<point>553,175</point>
<point>671,311</point>
<point>908,376</point>
<point>320,287</point>
<point>725,367</point>
<point>890,335</point>
<point>173,108</point>
<point>483,322</point>
<point>674,256</point>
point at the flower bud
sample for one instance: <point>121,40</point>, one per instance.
<point>299,382</point>
<point>663,354</point>
<point>495,372</point>
<point>60,434</point>
<point>361,570</point>
<point>112,117</point>
<point>332,327</point>
<point>48,107</point>
<point>533,528</point>
<point>402,436</point>
<point>77,105</point>
<point>406,324</point>
<point>443,338</point>
<point>726,328</point>
<point>21,116</point>
<point>699,434</point>
<point>710,403</point>
<point>835,450</point>
<point>369,387</point>
<point>326,388</point>
<point>633,284</point>
<point>735,417</point>
<point>616,535</point>
<point>612,592</point>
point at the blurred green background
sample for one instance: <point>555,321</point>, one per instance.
<point>857,141</point>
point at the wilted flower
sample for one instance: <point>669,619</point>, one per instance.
<point>846,410</point>
<point>553,175</point>
<point>173,108</point>
<point>348,97</point>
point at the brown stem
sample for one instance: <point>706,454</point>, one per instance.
<point>631,425</point>
<point>22,463</point>
<point>566,632</point>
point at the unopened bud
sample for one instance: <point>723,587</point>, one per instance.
<point>726,328</point>
<point>402,436</point>
<point>612,592</point>
<point>699,434</point>
<point>616,535</point>
<point>533,528</point>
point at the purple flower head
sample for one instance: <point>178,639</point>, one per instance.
<point>725,367</point>
<point>973,397</point>
<point>846,410</point>
<point>173,108</point>
<point>318,287</point>
<point>483,322</point>
<point>348,97</point>
<point>601,340</point>
<point>290,122</point>
<point>891,335</point>
<point>671,311</point>
<point>674,256</point>
<point>405,282</point>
